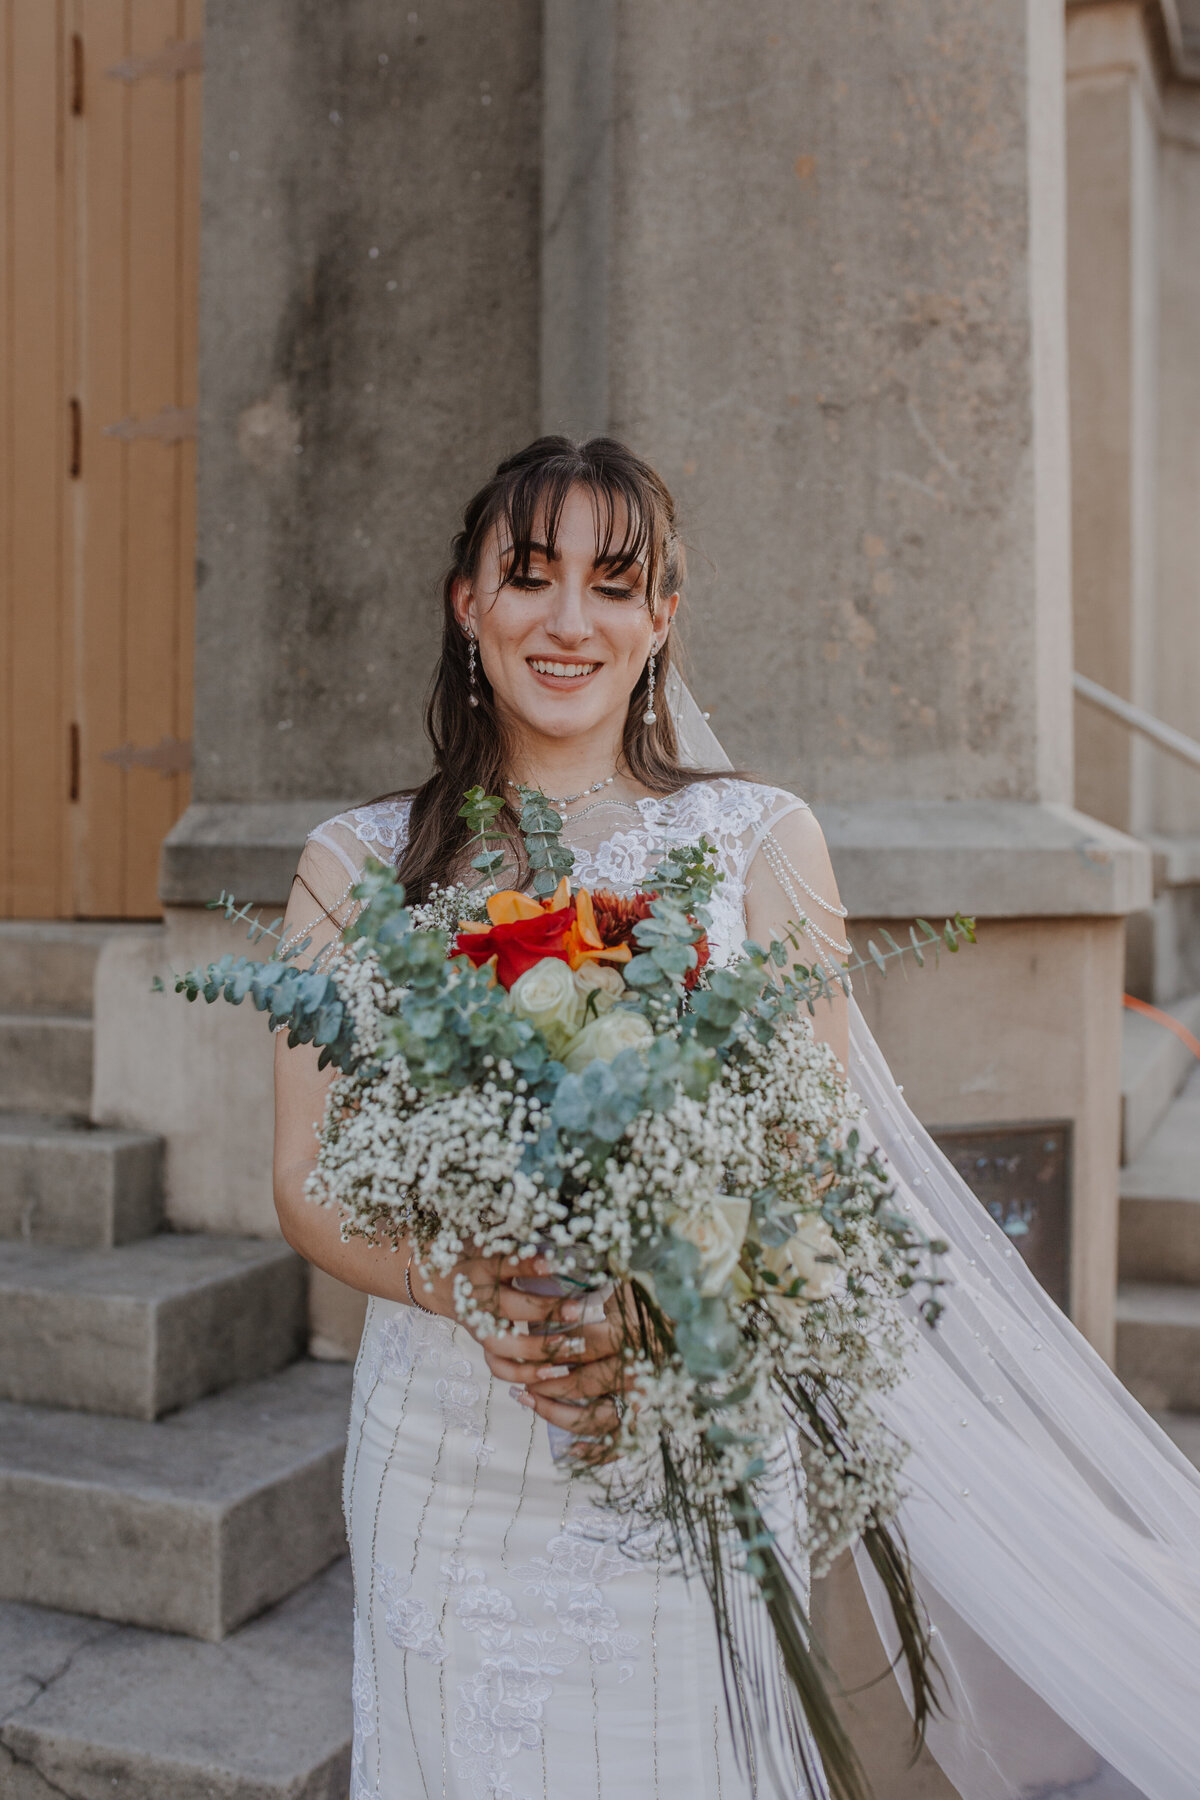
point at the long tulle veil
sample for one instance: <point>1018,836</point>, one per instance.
<point>1054,1529</point>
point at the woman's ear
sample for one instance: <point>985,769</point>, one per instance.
<point>663,614</point>
<point>463,602</point>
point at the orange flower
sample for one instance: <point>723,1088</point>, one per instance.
<point>584,942</point>
<point>507,907</point>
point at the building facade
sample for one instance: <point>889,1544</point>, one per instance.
<point>901,301</point>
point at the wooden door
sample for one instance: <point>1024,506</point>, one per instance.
<point>99,236</point>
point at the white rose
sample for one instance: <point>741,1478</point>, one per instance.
<point>602,980</point>
<point>718,1233</point>
<point>811,1256</point>
<point>547,996</point>
<point>605,1038</point>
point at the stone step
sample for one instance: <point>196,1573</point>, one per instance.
<point>49,965</point>
<point>71,1184</point>
<point>1158,1345</point>
<point>1160,1198</point>
<point>193,1524</point>
<point>90,1709</point>
<point>148,1327</point>
<point>1154,1066</point>
<point>45,1063</point>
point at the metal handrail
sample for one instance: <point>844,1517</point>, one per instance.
<point>1176,743</point>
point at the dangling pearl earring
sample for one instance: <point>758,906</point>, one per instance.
<point>649,716</point>
<point>473,696</point>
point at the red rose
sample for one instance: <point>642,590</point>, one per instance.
<point>518,946</point>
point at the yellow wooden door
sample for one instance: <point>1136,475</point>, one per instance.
<point>100,167</point>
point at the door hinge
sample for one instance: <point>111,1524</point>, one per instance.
<point>73,761</point>
<point>75,446</point>
<point>76,74</point>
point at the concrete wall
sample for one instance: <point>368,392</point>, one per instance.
<point>1177,668</point>
<point>1133,106</point>
<point>1169,942</point>
<point>369,348</point>
<point>808,258</point>
<point>201,1076</point>
<point>1050,991</point>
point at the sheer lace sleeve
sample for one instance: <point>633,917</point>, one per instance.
<point>321,902</point>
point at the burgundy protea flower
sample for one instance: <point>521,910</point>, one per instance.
<point>617,914</point>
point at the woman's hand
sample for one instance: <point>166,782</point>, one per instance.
<point>578,1386</point>
<point>570,1371</point>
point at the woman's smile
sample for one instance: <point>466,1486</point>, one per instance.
<point>557,673</point>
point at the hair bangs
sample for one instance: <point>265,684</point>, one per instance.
<point>529,516</point>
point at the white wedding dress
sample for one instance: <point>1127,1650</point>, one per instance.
<point>507,1647</point>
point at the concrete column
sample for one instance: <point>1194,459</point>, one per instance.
<point>1113,108</point>
<point>369,348</point>
<point>837,302</point>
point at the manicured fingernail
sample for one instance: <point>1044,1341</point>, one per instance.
<point>518,1393</point>
<point>553,1371</point>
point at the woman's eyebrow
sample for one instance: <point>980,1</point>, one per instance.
<point>619,564</point>
<point>534,550</point>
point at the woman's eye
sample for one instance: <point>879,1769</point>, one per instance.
<point>526,584</point>
<point>618,593</point>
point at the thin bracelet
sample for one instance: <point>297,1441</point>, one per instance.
<point>408,1288</point>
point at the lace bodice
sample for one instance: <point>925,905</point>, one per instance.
<point>616,843</point>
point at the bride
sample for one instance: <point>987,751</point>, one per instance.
<point>507,1646</point>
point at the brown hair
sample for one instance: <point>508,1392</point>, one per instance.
<point>526,492</point>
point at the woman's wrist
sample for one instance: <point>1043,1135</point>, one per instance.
<point>421,1290</point>
<point>413,1298</point>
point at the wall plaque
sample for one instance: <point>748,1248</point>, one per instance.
<point>1022,1174</point>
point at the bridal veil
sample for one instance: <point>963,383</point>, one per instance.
<point>1054,1529</point>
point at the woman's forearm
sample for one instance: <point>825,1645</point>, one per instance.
<point>314,1231</point>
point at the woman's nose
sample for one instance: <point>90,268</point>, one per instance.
<point>568,620</point>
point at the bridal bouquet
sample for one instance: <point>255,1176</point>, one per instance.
<point>567,1074</point>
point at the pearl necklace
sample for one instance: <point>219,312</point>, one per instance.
<point>570,799</point>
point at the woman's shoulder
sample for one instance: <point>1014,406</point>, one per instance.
<point>379,829</point>
<point>737,805</point>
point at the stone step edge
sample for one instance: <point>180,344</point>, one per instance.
<point>184,1316</point>
<point>243,1485</point>
<point>166,1715</point>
